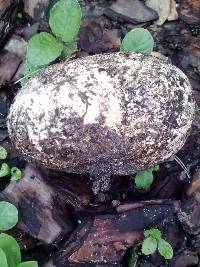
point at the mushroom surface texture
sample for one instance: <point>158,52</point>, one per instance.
<point>110,114</point>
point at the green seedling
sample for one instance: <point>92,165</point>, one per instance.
<point>10,254</point>
<point>3,153</point>
<point>16,174</point>
<point>138,40</point>
<point>4,170</point>
<point>144,179</point>
<point>43,48</point>
<point>153,241</point>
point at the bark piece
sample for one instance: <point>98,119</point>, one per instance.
<point>17,46</point>
<point>189,11</point>
<point>133,11</point>
<point>8,10</point>
<point>188,59</point>
<point>8,66</point>
<point>76,189</point>
<point>185,259</point>
<point>190,210</point>
<point>36,9</point>
<point>104,238</point>
<point>42,212</point>
<point>94,39</point>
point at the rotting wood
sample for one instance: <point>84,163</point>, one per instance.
<point>75,188</point>
<point>101,238</point>
<point>43,213</point>
<point>104,238</point>
<point>190,208</point>
<point>8,9</point>
<point>8,66</point>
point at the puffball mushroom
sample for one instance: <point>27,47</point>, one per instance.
<point>110,114</point>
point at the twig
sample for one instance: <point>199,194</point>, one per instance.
<point>179,161</point>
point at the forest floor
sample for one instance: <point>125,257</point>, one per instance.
<point>174,193</point>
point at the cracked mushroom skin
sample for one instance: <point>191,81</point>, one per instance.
<point>110,114</point>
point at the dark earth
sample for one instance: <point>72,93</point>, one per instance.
<point>62,223</point>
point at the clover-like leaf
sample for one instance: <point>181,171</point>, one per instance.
<point>165,249</point>
<point>144,179</point>
<point>16,174</point>
<point>153,232</point>
<point>65,19</point>
<point>138,40</point>
<point>149,245</point>
<point>3,153</point>
<point>4,170</point>
<point>42,49</point>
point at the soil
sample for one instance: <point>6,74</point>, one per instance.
<point>65,202</point>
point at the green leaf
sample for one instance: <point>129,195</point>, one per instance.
<point>138,40</point>
<point>3,153</point>
<point>28,264</point>
<point>69,49</point>
<point>65,19</point>
<point>149,245</point>
<point>8,216</point>
<point>165,249</point>
<point>3,260</point>
<point>42,49</point>
<point>5,170</point>
<point>11,248</point>
<point>16,174</point>
<point>144,179</point>
<point>28,72</point>
<point>153,232</point>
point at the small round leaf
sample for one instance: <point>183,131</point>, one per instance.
<point>11,248</point>
<point>3,153</point>
<point>65,19</point>
<point>8,216</point>
<point>16,174</point>
<point>149,246</point>
<point>165,249</point>
<point>153,232</point>
<point>144,179</point>
<point>4,170</point>
<point>42,49</point>
<point>138,40</point>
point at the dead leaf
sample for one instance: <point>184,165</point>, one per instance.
<point>166,10</point>
<point>173,15</point>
